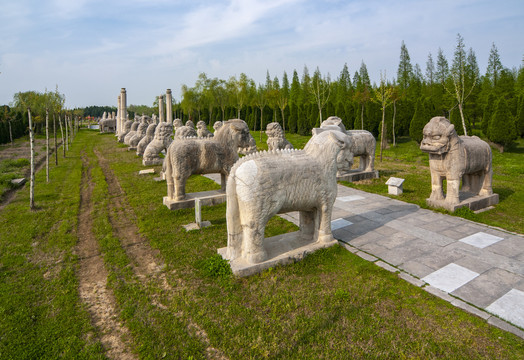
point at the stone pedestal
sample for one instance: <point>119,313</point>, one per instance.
<point>281,250</point>
<point>207,198</point>
<point>153,162</point>
<point>356,175</point>
<point>474,202</point>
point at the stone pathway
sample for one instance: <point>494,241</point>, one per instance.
<point>473,266</point>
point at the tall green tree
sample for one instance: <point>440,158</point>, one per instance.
<point>494,65</point>
<point>405,69</point>
<point>501,129</point>
<point>419,120</point>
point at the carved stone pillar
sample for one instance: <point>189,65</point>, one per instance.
<point>169,106</point>
<point>161,116</point>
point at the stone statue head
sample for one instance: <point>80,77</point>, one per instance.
<point>274,130</point>
<point>437,135</point>
<point>334,120</point>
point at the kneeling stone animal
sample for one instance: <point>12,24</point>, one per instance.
<point>275,137</point>
<point>264,184</point>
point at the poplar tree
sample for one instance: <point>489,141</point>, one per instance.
<point>494,66</point>
<point>405,70</point>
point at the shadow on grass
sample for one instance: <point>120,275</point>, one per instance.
<point>504,193</point>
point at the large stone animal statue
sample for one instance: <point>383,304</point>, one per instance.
<point>177,123</point>
<point>202,130</point>
<point>203,156</point>
<point>251,148</point>
<point>363,143</point>
<point>456,158</point>
<point>107,124</point>
<point>131,132</point>
<point>217,125</point>
<point>161,141</point>
<point>267,183</point>
<point>185,132</point>
<point>275,137</point>
<point>150,134</point>
<point>127,128</point>
<point>140,133</point>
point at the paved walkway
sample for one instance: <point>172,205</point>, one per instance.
<point>474,266</point>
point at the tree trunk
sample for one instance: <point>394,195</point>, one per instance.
<point>382,131</point>
<point>283,122</point>
<point>66,125</point>
<point>394,114</point>
<point>10,133</point>
<point>462,117</point>
<point>54,132</point>
<point>47,145</point>
<point>362,118</point>
<point>32,178</point>
<point>261,122</point>
<point>62,131</point>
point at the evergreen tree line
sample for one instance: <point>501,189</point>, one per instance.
<point>489,104</point>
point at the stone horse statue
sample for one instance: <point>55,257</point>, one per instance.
<point>185,157</point>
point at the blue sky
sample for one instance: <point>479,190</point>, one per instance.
<point>92,48</point>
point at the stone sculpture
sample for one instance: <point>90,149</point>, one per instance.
<point>131,132</point>
<point>140,133</point>
<point>251,148</point>
<point>363,143</point>
<point>264,184</point>
<point>190,124</point>
<point>202,130</point>
<point>150,134</point>
<point>127,128</point>
<point>217,125</point>
<point>107,124</point>
<point>185,132</point>
<point>177,123</point>
<point>275,137</point>
<point>161,141</point>
<point>456,158</point>
<point>203,156</point>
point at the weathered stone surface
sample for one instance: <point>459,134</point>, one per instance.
<point>275,137</point>
<point>150,134</point>
<point>140,133</point>
<point>207,198</point>
<point>203,156</point>
<point>161,141</point>
<point>202,130</point>
<point>126,129</point>
<point>457,158</point>
<point>131,133</point>
<point>267,183</point>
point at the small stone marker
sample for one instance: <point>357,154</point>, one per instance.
<point>395,186</point>
<point>198,224</point>
<point>147,171</point>
<point>18,182</point>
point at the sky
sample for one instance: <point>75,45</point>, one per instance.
<point>90,49</point>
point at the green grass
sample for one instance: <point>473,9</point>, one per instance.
<point>10,170</point>
<point>331,305</point>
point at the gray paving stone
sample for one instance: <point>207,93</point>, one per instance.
<point>503,262</point>
<point>348,247</point>
<point>411,279</point>
<point>481,239</point>
<point>505,326</point>
<point>395,239</point>
<point>386,266</point>
<point>473,263</point>
<point>366,256</point>
<point>416,268</point>
<point>359,240</point>
<point>509,307</point>
<point>437,292</point>
<point>437,226</point>
<point>512,246</point>
<point>440,258</point>
<point>386,231</point>
<point>450,277</point>
<point>488,287</point>
<point>348,198</point>
<point>471,309</point>
<point>339,224</point>
<point>410,251</point>
<point>431,236</point>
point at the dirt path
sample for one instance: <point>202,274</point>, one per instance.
<point>147,264</point>
<point>92,277</point>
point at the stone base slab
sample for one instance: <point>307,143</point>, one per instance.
<point>18,182</point>
<point>355,175</point>
<point>207,198</point>
<point>281,250</point>
<point>474,202</point>
<point>131,148</point>
<point>158,161</point>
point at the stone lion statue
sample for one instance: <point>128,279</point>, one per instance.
<point>185,132</point>
<point>264,184</point>
<point>177,123</point>
<point>217,125</point>
<point>275,137</point>
<point>456,158</point>
<point>363,143</point>
<point>131,132</point>
<point>127,128</point>
<point>150,134</point>
<point>190,123</point>
<point>202,130</point>
<point>161,141</point>
<point>140,133</point>
<point>203,156</point>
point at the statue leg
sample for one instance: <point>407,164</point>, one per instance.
<point>223,182</point>
<point>324,229</point>
<point>180,186</point>
<point>307,224</point>
<point>486,188</point>
<point>452,195</point>
<point>436,187</point>
<point>253,237</point>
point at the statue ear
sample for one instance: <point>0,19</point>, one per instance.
<point>450,129</point>
<point>334,135</point>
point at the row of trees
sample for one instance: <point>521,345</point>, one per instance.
<point>394,107</point>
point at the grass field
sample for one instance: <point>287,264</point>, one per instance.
<point>173,297</point>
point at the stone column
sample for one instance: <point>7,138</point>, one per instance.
<point>161,109</point>
<point>169,106</point>
<point>123,108</point>
<point>118,112</point>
